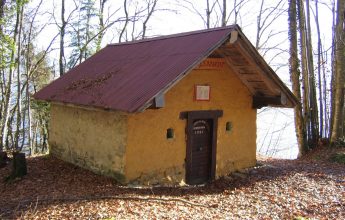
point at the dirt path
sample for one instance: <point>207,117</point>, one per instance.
<point>280,189</point>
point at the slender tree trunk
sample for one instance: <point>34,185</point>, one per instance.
<point>2,79</point>
<point>24,138</point>
<point>338,123</point>
<point>334,20</point>
<point>258,25</point>
<point>304,62</point>
<point>20,10</point>
<point>126,21</point>
<point>29,118</point>
<point>62,39</point>
<point>208,14</point>
<point>324,93</point>
<point>295,78</point>
<point>2,8</point>
<point>8,96</point>
<point>224,19</point>
<point>150,11</point>
<point>84,52</point>
<point>236,11</point>
<point>100,24</point>
<point>319,60</point>
<point>314,122</point>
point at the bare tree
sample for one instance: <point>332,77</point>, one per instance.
<point>314,119</point>
<point>8,89</point>
<point>126,20</point>
<point>295,78</point>
<point>62,26</point>
<point>319,70</point>
<point>209,10</point>
<point>100,23</point>
<point>266,17</point>
<point>151,6</point>
<point>20,11</point>
<point>141,13</point>
<point>338,116</point>
<point>62,39</point>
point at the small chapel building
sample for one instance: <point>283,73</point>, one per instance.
<point>166,110</point>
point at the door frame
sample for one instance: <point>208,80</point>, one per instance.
<point>212,115</point>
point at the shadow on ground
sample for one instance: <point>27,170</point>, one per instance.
<point>51,182</point>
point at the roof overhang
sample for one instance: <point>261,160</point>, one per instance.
<point>243,59</point>
<point>262,82</point>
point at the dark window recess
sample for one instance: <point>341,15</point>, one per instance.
<point>170,133</point>
<point>228,126</point>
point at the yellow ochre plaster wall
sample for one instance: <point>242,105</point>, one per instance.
<point>91,138</point>
<point>152,158</point>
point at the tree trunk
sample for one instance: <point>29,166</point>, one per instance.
<point>314,122</point>
<point>150,11</point>
<point>208,14</point>
<point>305,77</point>
<point>126,21</point>
<point>338,123</point>
<point>19,168</point>
<point>3,159</point>
<point>334,21</point>
<point>20,11</point>
<point>100,24</point>
<point>325,98</point>
<point>258,26</point>
<point>2,6</point>
<point>8,96</point>
<point>295,78</point>
<point>224,20</point>
<point>62,39</point>
<point>319,56</point>
<point>2,9</point>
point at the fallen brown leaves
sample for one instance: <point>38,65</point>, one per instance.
<point>280,189</point>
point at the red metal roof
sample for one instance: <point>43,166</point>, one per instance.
<point>128,76</point>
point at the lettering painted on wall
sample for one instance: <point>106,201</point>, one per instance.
<point>202,92</point>
<point>211,64</point>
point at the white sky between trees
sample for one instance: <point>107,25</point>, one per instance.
<point>275,127</point>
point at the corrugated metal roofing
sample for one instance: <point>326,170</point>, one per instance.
<point>128,76</point>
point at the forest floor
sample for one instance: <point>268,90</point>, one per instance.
<point>312,187</point>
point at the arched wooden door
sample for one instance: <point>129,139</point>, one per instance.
<point>201,136</point>
<point>201,151</point>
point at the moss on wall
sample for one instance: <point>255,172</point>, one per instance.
<point>93,139</point>
<point>149,150</point>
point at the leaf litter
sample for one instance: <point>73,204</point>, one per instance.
<point>277,189</point>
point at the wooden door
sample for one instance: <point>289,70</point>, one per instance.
<point>200,160</point>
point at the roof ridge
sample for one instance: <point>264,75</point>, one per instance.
<point>183,34</point>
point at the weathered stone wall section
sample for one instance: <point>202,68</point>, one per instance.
<point>92,139</point>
